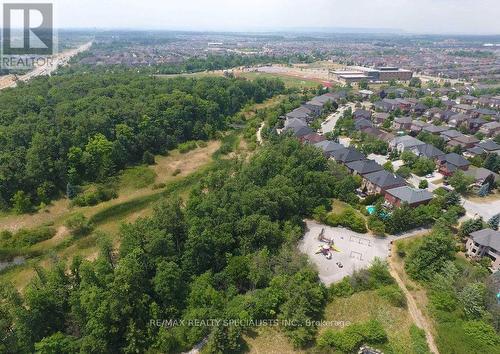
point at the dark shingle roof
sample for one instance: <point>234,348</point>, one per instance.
<point>489,145</point>
<point>364,166</point>
<point>384,179</point>
<point>347,155</point>
<point>455,159</point>
<point>410,195</point>
<point>429,151</point>
<point>488,238</point>
<point>329,146</point>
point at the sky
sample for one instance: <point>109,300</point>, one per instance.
<point>412,16</point>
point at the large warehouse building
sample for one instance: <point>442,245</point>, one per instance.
<point>377,74</point>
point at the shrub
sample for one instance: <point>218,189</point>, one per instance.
<point>418,340</point>
<point>481,332</point>
<point>25,237</point>
<point>393,294</point>
<point>21,203</point>
<point>176,172</point>
<point>376,226</point>
<point>148,158</point>
<point>158,186</point>
<point>202,143</point>
<point>187,146</point>
<point>79,225</point>
<point>95,195</point>
<point>341,289</point>
<point>349,219</point>
<point>423,184</point>
<point>353,336</point>
<point>404,171</point>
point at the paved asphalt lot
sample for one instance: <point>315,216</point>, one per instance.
<point>356,251</point>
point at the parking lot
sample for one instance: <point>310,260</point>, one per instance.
<point>352,250</point>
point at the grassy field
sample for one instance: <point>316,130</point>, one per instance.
<point>290,81</point>
<point>269,340</point>
<point>367,305</point>
<point>340,312</point>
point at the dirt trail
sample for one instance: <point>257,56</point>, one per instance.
<point>259,133</point>
<point>413,309</point>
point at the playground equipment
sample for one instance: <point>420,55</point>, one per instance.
<point>328,241</point>
<point>327,249</point>
<point>322,238</point>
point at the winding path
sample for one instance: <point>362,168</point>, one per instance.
<point>413,309</point>
<point>259,133</point>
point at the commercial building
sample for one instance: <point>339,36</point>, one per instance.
<point>377,74</point>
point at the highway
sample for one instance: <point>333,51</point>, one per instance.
<point>50,66</point>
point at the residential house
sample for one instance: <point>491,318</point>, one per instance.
<point>464,141</point>
<point>419,108</point>
<point>384,106</point>
<point>312,138</point>
<point>474,124</point>
<point>328,146</point>
<point>346,155</point>
<point>380,181</point>
<point>490,129</point>
<point>468,100</point>
<point>404,143</point>
<point>485,243</point>
<point>417,126</point>
<point>363,167</point>
<point>407,195</point>
<point>458,119</point>
<point>402,123</point>
<point>427,150</point>
<point>303,113</point>
<point>380,117</point>
<point>489,146</point>
<point>474,151</point>
<point>362,123</point>
<point>462,108</point>
<point>433,112</point>
<point>450,134</point>
<point>444,116</point>
<point>377,133</point>
<point>435,129</point>
<point>365,94</point>
<point>482,175</point>
<point>297,126</point>
<point>450,163</point>
<point>362,114</point>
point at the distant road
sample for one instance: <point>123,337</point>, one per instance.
<point>58,60</point>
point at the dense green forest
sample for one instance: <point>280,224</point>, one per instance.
<point>76,128</point>
<point>227,252</point>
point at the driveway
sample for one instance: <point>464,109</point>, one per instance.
<point>484,209</point>
<point>355,251</point>
<point>380,159</point>
<point>329,124</point>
